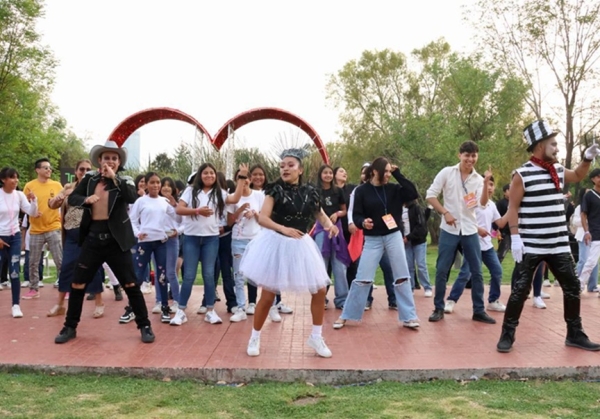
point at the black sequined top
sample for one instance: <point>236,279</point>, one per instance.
<point>295,206</point>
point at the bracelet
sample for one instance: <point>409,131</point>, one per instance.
<point>242,177</point>
<point>197,211</point>
<point>444,214</point>
<point>587,160</point>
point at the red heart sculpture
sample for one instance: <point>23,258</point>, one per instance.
<point>128,126</point>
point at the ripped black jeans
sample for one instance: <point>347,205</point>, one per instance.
<point>93,253</point>
<point>563,267</point>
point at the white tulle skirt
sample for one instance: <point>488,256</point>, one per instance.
<point>279,263</point>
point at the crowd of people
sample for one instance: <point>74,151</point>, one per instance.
<point>291,235</point>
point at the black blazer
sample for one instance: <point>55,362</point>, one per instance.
<point>119,197</point>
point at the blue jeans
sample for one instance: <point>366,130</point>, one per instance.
<point>490,259</point>
<point>204,250</point>
<point>447,248</point>
<point>171,269</point>
<point>12,254</point>
<point>237,250</point>
<point>340,284</point>
<point>417,255</point>
<point>142,252</point>
<point>223,266</point>
<point>583,254</point>
<point>373,250</point>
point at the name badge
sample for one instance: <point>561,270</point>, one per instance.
<point>389,221</point>
<point>470,200</point>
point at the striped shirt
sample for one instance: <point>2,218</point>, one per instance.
<point>542,221</point>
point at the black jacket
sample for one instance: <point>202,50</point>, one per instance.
<point>119,198</point>
<point>417,218</point>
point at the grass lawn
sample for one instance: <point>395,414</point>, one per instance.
<point>31,395</point>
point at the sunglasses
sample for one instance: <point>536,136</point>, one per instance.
<point>84,169</point>
<point>46,167</point>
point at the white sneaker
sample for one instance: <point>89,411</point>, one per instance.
<point>544,295</point>
<point>16,312</point>
<point>318,344</point>
<point>428,294</point>
<point>202,310</point>
<point>157,309</point>
<point>496,306</point>
<point>250,309</point>
<point>174,307</point>
<point>238,315</point>
<point>25,284</point>
<point>449,306</point>
<point>546,283</point>
<point>284,309</point>
<point>7,285</point>
<point>179,319</point>
<point>212,317</point>
<point>253,347</point>
<point>274,314</point>
<point>41,284</point>
<point>1,287</point>
<point>411,324</point>
<point>55,285</point>
<point>538,302</point>
<point>146,288</point>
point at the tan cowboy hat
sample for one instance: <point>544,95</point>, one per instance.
<point>97,151</point>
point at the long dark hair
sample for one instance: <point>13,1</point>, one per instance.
<point>7,172</point>
<point>174,189</point>
<point>216,193</point>
<point>252,169</point>
<point>378,164</point>
<point>137,181</point>
<point>280,181</point>
<point>333,186</point>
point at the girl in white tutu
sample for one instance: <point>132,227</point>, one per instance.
<point>283,257</point>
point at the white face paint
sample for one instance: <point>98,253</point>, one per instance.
<point>551,150</point>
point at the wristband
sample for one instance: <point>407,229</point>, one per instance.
<point>444,214</point>
<point>242,177</point>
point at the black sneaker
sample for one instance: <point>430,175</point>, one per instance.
<point>118,293</point>
<point>437,315</point>
<point>369,305</point>
<point>165,316</point>
<point>393,306</point>
<point>127,316</point>
<point>147,334</point>
<point>65,335</point>
<point>90,297</point>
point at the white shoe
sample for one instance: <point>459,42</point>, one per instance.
<point>157,309</point>
<point>25,284</point>
<point>253,347</point>
<point>174,307</point>
<point>41,284</point>
<point>274,314</point>
<point>238,315</point>
<point>16,312</point>
<point>496,306</point>
<point>411,324</point>
<point>318,344</point>
<point>544,295</point>
<point>179,319</point>
<point>538,302</point>
<point>284,309</point>
<point>55,285</point>
<point>250,309</point>
<point>146,288</point>
<point>212,317</point>
<point>202,310</point>
<point>546,283</point>
<point>1,287</point>
<point>7,285</point>
<point>428,294</point>
<point>449,306</point>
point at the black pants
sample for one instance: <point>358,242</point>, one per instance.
<point>503,247</point>
<point>93,253</point>
<point>563,268</point>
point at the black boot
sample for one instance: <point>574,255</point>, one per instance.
<point>66,334</point>
<point>437,315</point>
<point>577,338</point>
<point>507,338</point>
<point>118,293</point>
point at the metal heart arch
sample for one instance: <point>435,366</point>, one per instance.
<point>130,124</point>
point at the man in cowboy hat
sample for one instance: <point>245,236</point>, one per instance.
<point>106,235</point>
<point>536,218</point>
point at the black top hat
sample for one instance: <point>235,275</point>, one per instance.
<point>536,132</point>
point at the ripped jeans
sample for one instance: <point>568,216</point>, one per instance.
<point>142,252</point>
<point>373,250</point>
<point>237,250</point>
<point>13,255</point>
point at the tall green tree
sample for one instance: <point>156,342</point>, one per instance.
<point>554,46</point>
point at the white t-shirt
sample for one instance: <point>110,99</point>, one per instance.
<point>405,221</point>
<point>150,216</point>
<point>485,217</point>
<point>247,228</point>
<point>200,225</point>
<point>10,205</point>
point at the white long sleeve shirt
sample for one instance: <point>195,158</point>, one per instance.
<point>10,205</point>
<point>151,216</point>
<point>448,182</point>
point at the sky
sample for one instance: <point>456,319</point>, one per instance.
<point>216,59</point>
